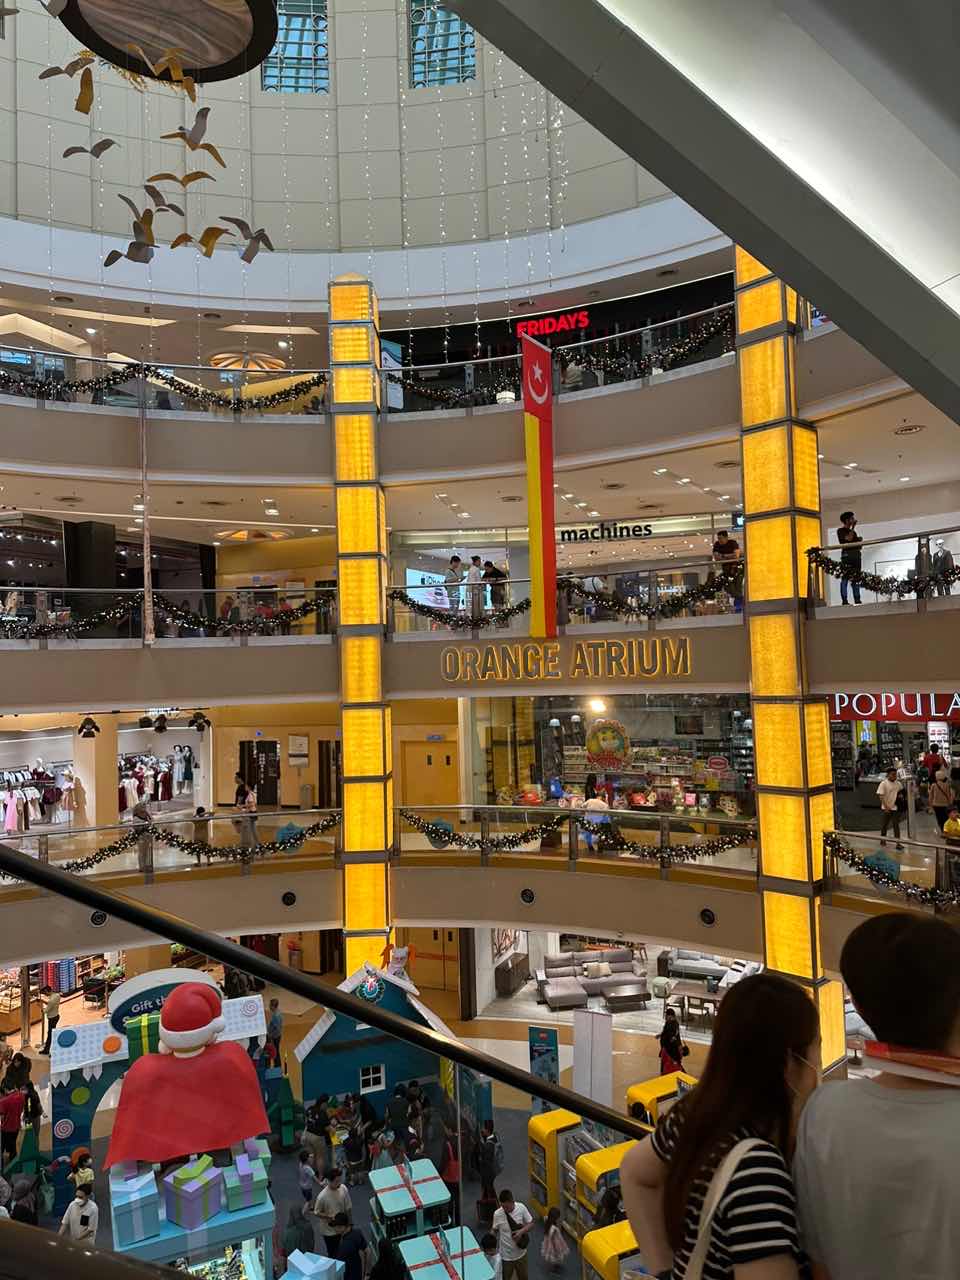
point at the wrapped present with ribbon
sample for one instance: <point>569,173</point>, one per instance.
<point>143,1034</point>
<point>134,1205</point>
<point>311,1266</point>
<point>124,1170</point>
<point>408,1200</point>
<point>193,1194</point>
<point>245,1184</point>
<point>445,1255</point>
<point>255,1148</point>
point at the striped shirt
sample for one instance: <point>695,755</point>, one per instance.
<point>757,1214</point>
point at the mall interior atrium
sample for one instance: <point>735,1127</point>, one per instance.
<point>479,695</point>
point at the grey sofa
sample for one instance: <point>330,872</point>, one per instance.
<point>563,983</point>
<point>678,962</point>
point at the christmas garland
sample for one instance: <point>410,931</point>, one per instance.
<point>717,584</point>
<point>171,612</point>
<point>460,621</point>
<point>898,587</point>
<point>609,840</point>
<point>51,389</point>
<point>196,848</point>
<point>642,363</point>
<point>916,893</point>
<point>442,834</point>
<point>119,611</point>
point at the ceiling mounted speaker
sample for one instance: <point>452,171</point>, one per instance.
<point>210,39</point>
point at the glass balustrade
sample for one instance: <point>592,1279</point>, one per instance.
<point>913,571</point>
<point>904,872</point>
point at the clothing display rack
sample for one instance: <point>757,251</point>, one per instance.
<point>146,776</point>
<point>42,794</point>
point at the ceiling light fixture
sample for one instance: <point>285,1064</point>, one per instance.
<point>283,345</point>
<point>904,479</point>
<point>597,705</point>
<point>660,471</point>
<point>91,332</point>
<point>566,495</point>
<point>850,466</point>
<point>314,530</point>
<point>464,515</point>
<point>271,511</point>
<point>139,506</point>
<point>593,513</point>
<point>580,505</point>
<point>685,480</point>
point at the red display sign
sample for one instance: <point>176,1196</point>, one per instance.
<point>564,322</point>
<point>917,708</point>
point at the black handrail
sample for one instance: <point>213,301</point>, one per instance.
<point>27,1253</point>
<point>230,953</point>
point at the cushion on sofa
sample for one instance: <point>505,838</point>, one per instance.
<point>562,971</point>
<point>562,958</point>
<point>618,955</point>
<point>621,966</point>
<point>681,954</point>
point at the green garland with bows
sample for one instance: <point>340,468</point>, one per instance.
<point>195,848</point>
<point>460,621</point>
<point>914,893</point>
<point>441,834</point>
<point>717,584</point>
<point>900,588</point>
<point>51,389</point>
<point>172,612</point>
<point>609,840</point>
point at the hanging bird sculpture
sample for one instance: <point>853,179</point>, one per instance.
<point>194,137</point>
<point>255,239</point>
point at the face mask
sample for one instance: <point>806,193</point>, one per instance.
<point>807,1063</point>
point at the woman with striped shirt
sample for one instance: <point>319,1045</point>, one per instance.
<point>759,1073</point>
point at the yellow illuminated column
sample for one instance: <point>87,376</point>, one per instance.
<point>361,581</point>
<point>791,731</point>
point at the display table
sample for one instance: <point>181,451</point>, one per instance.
<point>452,1254</point>
<point>242,1228</point>
<point>633,995</point>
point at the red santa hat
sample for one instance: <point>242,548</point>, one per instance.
<point>191,1017</point>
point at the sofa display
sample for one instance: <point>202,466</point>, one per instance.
<point>569,979</point>
<point>725,971</point>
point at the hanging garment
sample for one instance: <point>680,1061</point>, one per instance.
<point>166,785</point>
<point>188,765</point>
<point>10,812</point>
<point>122,797</point>
<point>132,789</point>
<point>178,767</point>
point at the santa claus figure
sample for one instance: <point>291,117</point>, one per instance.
<point>194,1095</point>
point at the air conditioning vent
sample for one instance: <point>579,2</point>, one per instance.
<point>613,484</point>
<point>69,500</point>
<point>730,465</point>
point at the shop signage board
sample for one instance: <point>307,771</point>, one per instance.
<point>895,705</point>
<point>544,1059</point>
<point>652,657</point>
<point>606,531</point>
<point>562,322</point>
<point>298,749</point>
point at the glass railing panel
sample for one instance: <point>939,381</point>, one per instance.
<point>458,385</point>
<point>705,838</point>
<point>694,589</point>
<point>494,608</point>
<point>70,614</point>
<point>919,569</point>
<point>175,838</point>
<point>245,611</point>
<point>902,871</point>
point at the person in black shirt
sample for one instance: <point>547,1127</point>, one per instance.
<point>351,1247</point>
<point>497,578</point>
<point>726,551</point>
<point>851,554</point>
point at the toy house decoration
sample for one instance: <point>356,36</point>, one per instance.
<point>340,1055</point>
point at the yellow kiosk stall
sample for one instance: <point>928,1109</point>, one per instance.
<point>544,1158</point>
<point>651,1099</point>
<point>597,1171</point>
<point>610,1253</point>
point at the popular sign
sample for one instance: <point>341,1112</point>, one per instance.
<point>543,326</point>
<point>919,707</point>
<point>639,659</point>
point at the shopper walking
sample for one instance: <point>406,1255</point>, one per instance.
<point>489,1160</point>
<point>275,1025</point>
<point>351,1247</point>
<point>12,1099</point>
<point>554,1250</point>
<point>452,579</point>
<point>142,820</point>
<point>734,1135</point>
<point>941,796</point>
<point>51,1014</point>
<point>332,1202</point>
<point>511,1225</point>
<point>672,1048</point>
<point>895,1209</point>
<point>33,1111</point>
<point>889,793</point>
<point>298,1233</point>
<point>245,800</point>
<point>310,1184</point>
<point>316,1134</point>
<point>81,1219</point>
<point>851,557</point>
<point>475,588</point>
<point>449,1171</point>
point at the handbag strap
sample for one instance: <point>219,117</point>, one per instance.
<point>718,1185</point>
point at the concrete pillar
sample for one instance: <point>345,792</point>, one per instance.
<point>95,766</point>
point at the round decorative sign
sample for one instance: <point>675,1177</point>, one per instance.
<point>66,1039</point>
<point>80,1095</point>
<point>608,745</point>
<point>249,1008</point>
<point>371,988</point>
<point>63,1129</point>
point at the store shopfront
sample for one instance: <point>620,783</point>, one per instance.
<point>872,732</point>
<point>651,752</point>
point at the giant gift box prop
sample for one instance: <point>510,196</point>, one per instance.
<point>245,1184</point>
<point>134,1203</point>
<point>409,1200</point>
<point>311,1266</point>
<point>445,1255</point>
<point>193,1194</point>
<point>143,1035</point>
<point>255,1148</point>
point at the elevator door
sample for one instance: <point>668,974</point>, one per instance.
<point>431,773</point>
<point>436,964</point>
<point>260,769</point>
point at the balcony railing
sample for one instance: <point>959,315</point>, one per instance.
<point>636,837</point>
<point>914,570</point>
<point>456,1077</point>
<point>909,873</point>
<point>142,851</point>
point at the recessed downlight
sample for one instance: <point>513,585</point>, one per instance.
<point>904,479</point>
<point>271,511</point>
<point>909,429</point>
<point>660,471</point>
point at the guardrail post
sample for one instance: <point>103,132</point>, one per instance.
<point>43,848</point>
<point>25,1007</point>
<point>664,846</point>
<point>145,856</point>
<point>484,837</point>
<point>923,570</point>
<point>653,598</point>
<point>573,843</point>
